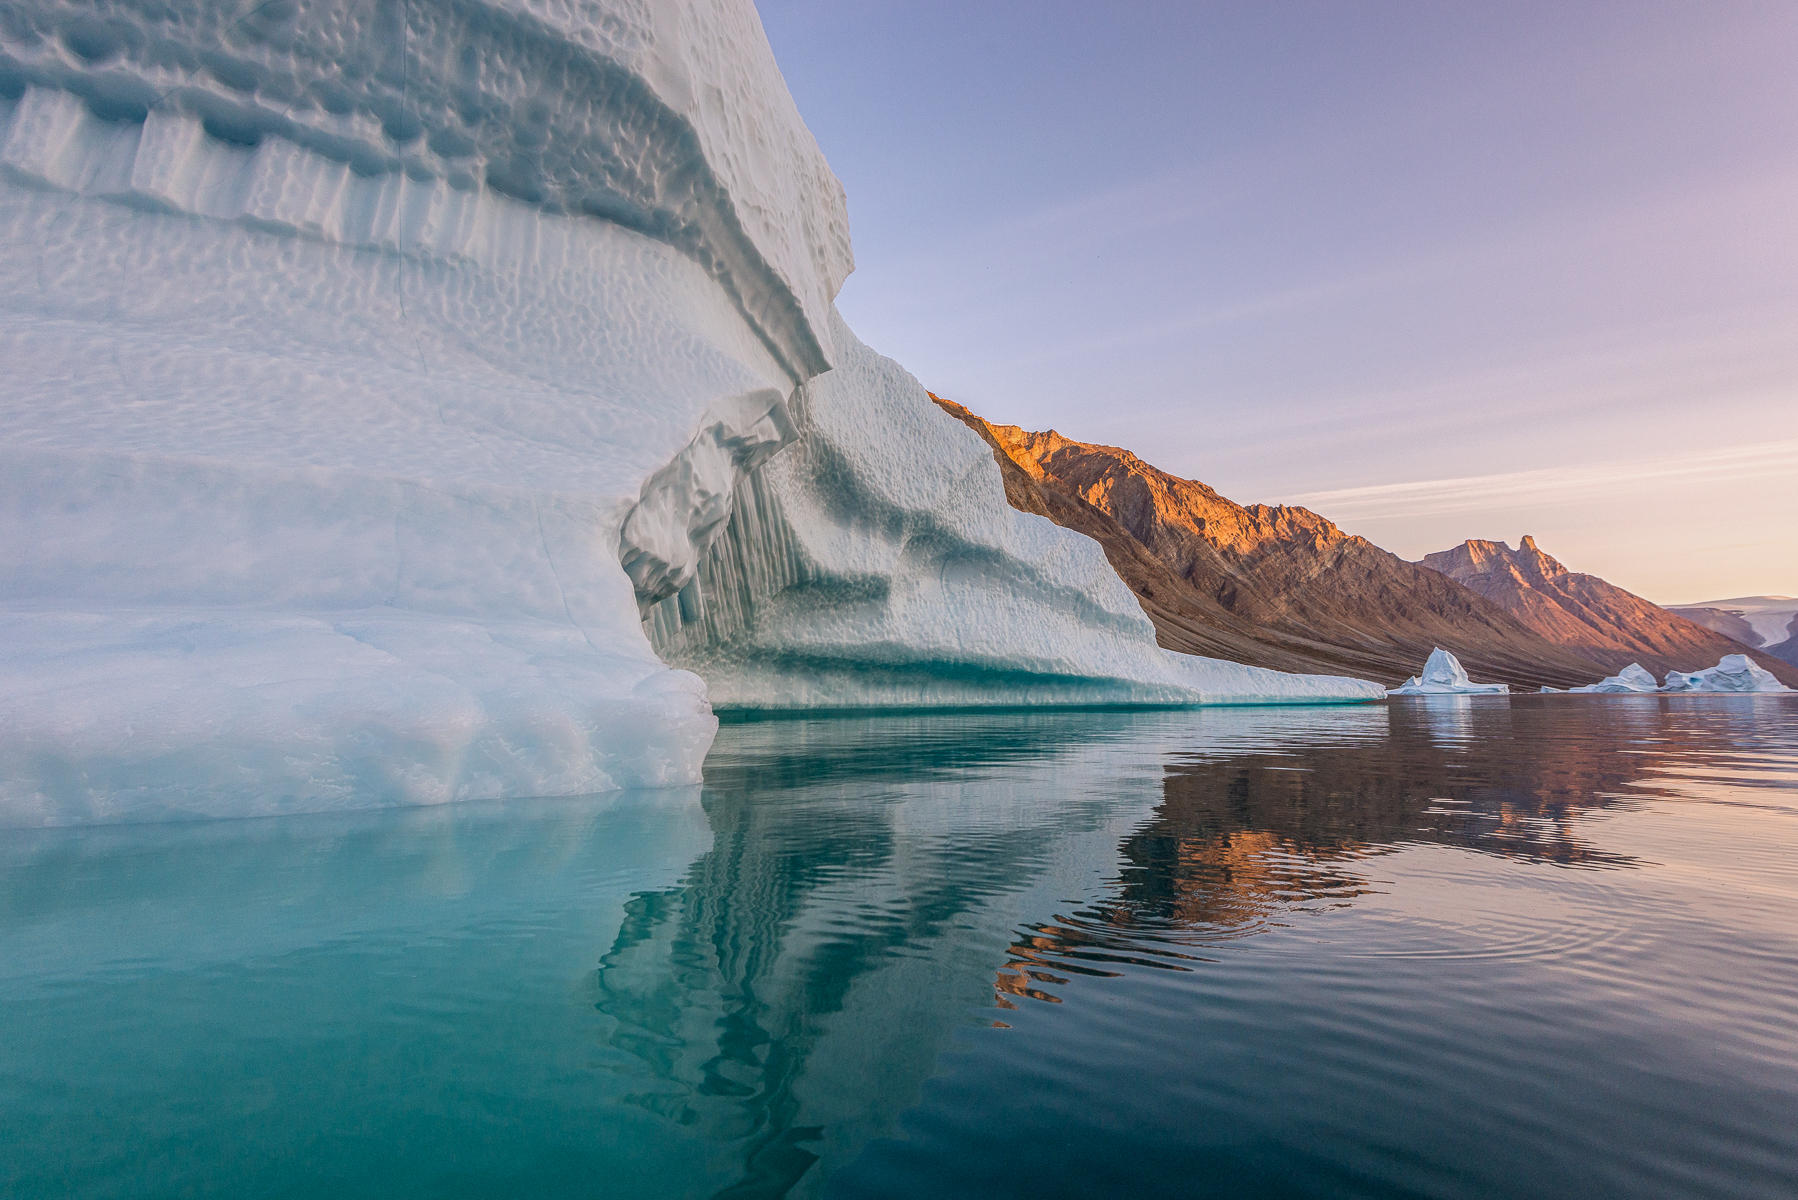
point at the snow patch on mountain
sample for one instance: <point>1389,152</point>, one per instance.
<point>1759,621</point>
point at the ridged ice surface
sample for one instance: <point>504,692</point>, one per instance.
<point>1733,673</point>
<point>390,123</point>
<point>372,373</point>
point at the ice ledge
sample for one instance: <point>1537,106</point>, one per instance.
<point>874,562</point>
<point>154,714</point>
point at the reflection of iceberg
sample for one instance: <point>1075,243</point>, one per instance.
<point>1449,718</point>
<point>1443,675</point>
<point>395,393</point>
<point>678,1000</point>
<point>1633,678</point>
<point>838,934</point>
<point>1733,673</point>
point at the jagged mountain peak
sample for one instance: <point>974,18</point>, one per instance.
<point>1583,611</point>
<point>1278,585</point>
<point>1264,584</point>
<point>1147,499</point>
<point>1528,559</point>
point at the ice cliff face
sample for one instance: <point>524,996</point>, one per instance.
<point>394,390</point>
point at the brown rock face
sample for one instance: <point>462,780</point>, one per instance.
<point>1599,620</point>
<point>1272,586</point>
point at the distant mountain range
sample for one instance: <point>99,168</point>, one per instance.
<point>1583,612</point>
<point>1768,623</point>
<point>1283,587</point>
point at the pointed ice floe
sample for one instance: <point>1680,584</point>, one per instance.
<point>1733,673</point>
<point>1633,678</point>
<point>1443,675</point>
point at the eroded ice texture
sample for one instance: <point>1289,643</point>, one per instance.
<point>1443,675</point>
<point>875,560</point>
<point>1733,673</point>
<point>372,371</point>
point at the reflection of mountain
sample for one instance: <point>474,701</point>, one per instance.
<point>1246,839</point>
<point>875,885</point>
<point>736,992</point>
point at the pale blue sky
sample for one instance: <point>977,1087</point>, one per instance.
<point>1536,263</point>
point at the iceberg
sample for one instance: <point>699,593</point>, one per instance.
<point>1632,679</point>
<point>1443,675</point>
<point>411,403</point>
<point>1733,673</point>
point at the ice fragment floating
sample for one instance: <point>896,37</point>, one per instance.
<point>1443,675</point>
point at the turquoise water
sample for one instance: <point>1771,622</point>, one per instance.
<point>1476,947</point>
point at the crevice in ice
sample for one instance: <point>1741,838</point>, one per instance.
<point>754,556</point>
<point>686,505</point>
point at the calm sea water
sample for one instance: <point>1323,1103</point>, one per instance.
<point>1477,948</point>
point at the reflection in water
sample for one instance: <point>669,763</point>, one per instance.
<point>1242,839</point>
<point>854,861</point>
<point>1272,947</point>
<point>850,860</point>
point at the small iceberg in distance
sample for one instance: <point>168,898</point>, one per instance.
<point>1733,673</point>
<point>1443,675</point>
<point>1632,679</point>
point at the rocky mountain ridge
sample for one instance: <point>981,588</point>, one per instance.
<point>1284,587</point>
<point>1585,613</point>
<point>1271,585</point>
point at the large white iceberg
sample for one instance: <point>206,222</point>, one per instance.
<point>1733,673</point>
<point>397,397</point>
<point>1634,678</point>
<point>1443,675</point>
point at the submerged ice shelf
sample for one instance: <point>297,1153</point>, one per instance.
<point>470,423</point>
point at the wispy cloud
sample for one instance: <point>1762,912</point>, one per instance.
<point>1543,487</point>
